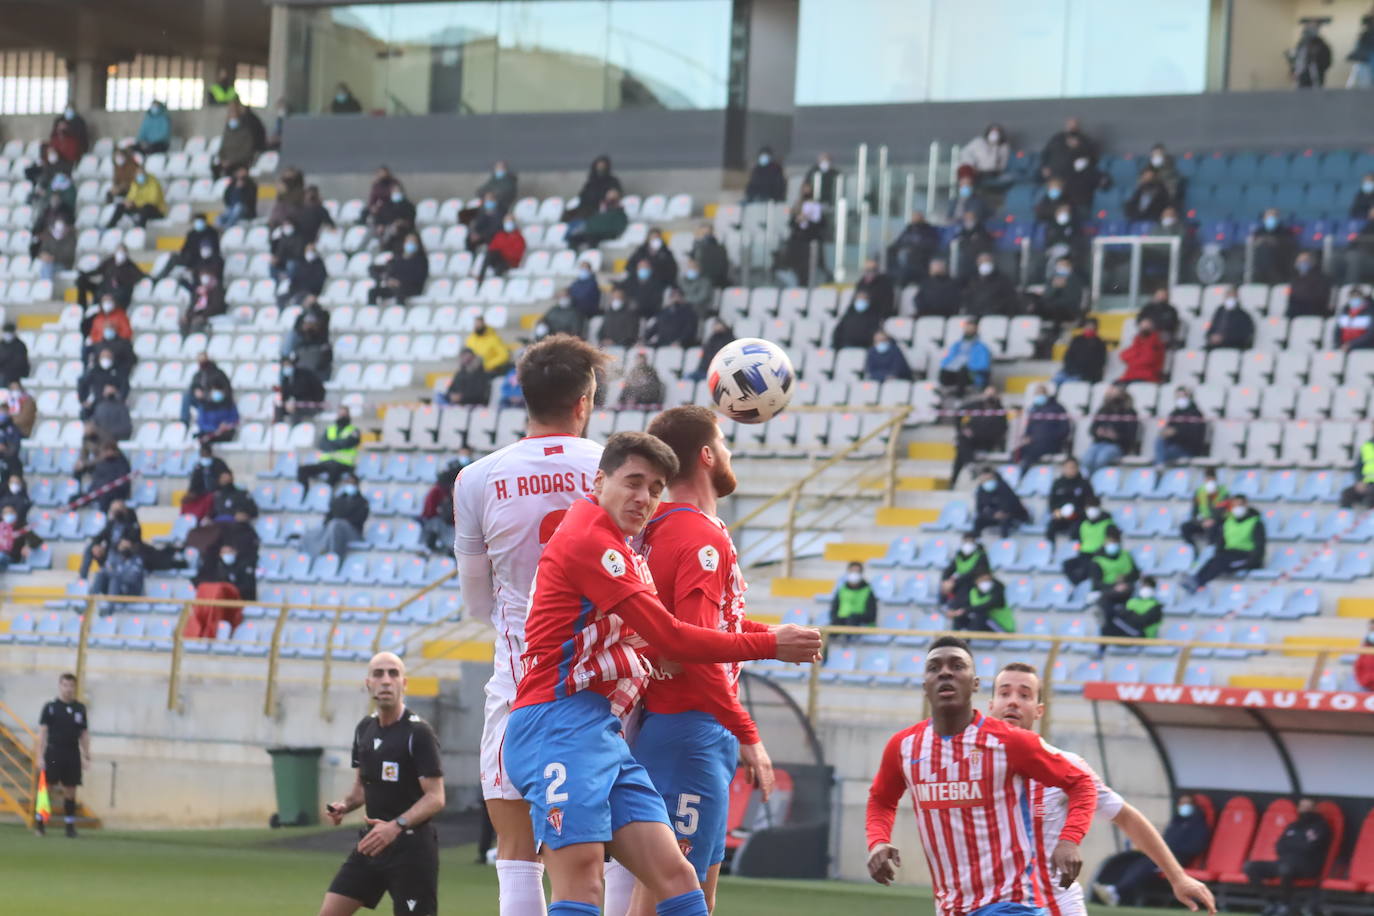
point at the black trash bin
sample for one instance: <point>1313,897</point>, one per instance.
<point>296,772</point>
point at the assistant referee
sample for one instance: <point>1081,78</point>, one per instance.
<point>64,746</point>
<point>401,783</point>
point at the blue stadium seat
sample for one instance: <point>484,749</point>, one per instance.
<point>291,498</point>
<point>1002,554</point>
<point>1301,525</point>
<point>268,528</point>
<point>1037,556</point>
<point>899,553</point>
<point>1172,629</point>
<point>285,467</point>
<point>840,660</point>
<point>1020,591</point>
<point>1302,602</point>
<point>955,516</point>
<point>265,495</point>
<point>1123,671</point>
<point>317,500</point>
<point>354,569</point>
<point>1198,674</point>
<point>1354,564</point>
<point>935,553</point>
<point>1159,673</point>
<point>1280,485</point>
<point>325,568</point>
<point>1036,482</point>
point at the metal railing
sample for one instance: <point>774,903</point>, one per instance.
<point>1055,648</point>
<point>1137,244</point>
<point>834,501</point>
<point>18,765</point>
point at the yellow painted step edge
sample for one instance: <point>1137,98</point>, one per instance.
<point>784,587</point>
<point>898,516</point>
<point>422,686</point>
<point>463,650</point>
<point>1362,608</point>
<point>930,451</point>
<point>1267,682</point>
<point>843,552</point>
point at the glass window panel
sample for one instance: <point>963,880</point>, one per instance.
<point>998,49</point>
<point>552,56</point>
<point>443,58</point>
<point>893,66</point>
<point>668,54</point>
<point>349,44</point>
<point>1128,49</point>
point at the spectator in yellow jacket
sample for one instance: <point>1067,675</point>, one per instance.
<point>489,347</point>
<point>143,203</point>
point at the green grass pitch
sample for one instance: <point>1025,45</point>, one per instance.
<point>229,873</point>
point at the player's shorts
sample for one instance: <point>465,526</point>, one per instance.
<point>1070,900</point>
<point>63,769</point>
<point>495,784</point>
<point>408,869</point>
<point>1009,909</point>
<point>691,759</point>
<point>571,764</point>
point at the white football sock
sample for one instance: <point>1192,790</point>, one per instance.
<point>522,887</point>
<point>620,884</point>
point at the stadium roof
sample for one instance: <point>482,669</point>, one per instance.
<point>115,30</point>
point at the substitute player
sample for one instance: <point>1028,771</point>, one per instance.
<point>1016,701</point>
<point>592,615</point>
<point>401,783</point>
<point>694,729</point>
<point>967,776</point>
<point>64,746</point>
<point>505,506</point>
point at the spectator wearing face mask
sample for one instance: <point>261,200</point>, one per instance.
<point>122,573</point>
<point>69,136</point>
<point>968,200</point>
<point>697,290</point>
<point>22,407</point>
<point>1147,202</point>
<point>1064,235</point>
<point>962,572</point>
<point>1274,248</point>
<point>1184,435</point>
<point>1070,494</point>
<point>1166,171</point>
<point>110,418</point>
<point>676,325</point>
<point>226,575</point>
<point>208,375</point>
<point>1242,545</point>
<point>1064,294</point>
<point>56,249</point>
<point>111,316</point>
<point>1094,529</point>
<point>1300,854</point>
<point>287,250</point>
<point>985,608</point>
<point>885,360</point>
<point>1160,313</point>
<point>1144,356</point>
<point>967,362</point>
<point>911,253</point>
<point>505,251</point>
<point>971,241</point>
<point>1187,835</point>
<point>300,393</point>
<point>16,498</point>
<point>337,453</point>
<point>239,143</point>
<point>16,545</point>
<point>344,101</point>
<point>1354,326</point>
<point>1361,493</point>
<point>307,280</point>
<point>110,465</point>
<point>659,257</point>
<point>643,386</point>
<point>1085,358</point>
<point>823,178</point>
<point>1050,200</point>
<point>510,394</point>
<point>857,324</point>
<point>1359,253</point>
<point>1364,664</point>
<point>1363,201</point>
<point>470,385</point>
<point>404,276</point>
<point>1231,327</point>
<point>1115,430</point>
<point>201,245</point>
<point>240,199</point>
<point>990,292</point>
<point>489,347</point>
<point>987,155</point>
<point>1113,573</point>
<point>313,215</point>
<point>804,242</point>
<point>436,514</point>
<point>1134,613</point>
<point>878,286</point>
<point>644,289</point>
<point>232,502</point>
<point>343,523</point>
<point>853,603</point>
<point>939,294</point>
<point>585,292</point>
<point>721,334</point>
<point>620,325</point>
<point>485,223</point>
<point>711,256</point>
<point>207,301</point>
<point>204,479</point>
<point>561,318</point>
<point>218,419</point>
<point>155,130</point>
<point>601,181</point>
<point>981,427</point>
<point>503,184</point>
<point>1064,149</point>
<point>603,225</point>
<point>1310,291</point>
<point>104,374</point>
<point>996,505</point>
<point>143,203</point>
<point>767,182</point>
<point>1047,428</point>
<point>1211,503</point>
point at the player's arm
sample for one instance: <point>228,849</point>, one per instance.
<point>883,796</point>
<point>350,802</point>
<point>86,746</point>
<point>1031,756</point>
<point>424,750</point>
<point>1143,836</point>
<point>470,550</point>
<point>643,612</point>
<point>708,684</point>
<point>753,626</point>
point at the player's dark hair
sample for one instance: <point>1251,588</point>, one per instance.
<point>621,446</point>
<point>941,642</point>
<point>67,676</point>
<point>1024,668</point>
<point>686,430</point>
<point>555,372</point>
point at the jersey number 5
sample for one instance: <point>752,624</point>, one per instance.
<point>558,774</point>
<point>688,814</point>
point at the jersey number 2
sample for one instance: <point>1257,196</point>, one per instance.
<point>687,811</point>
<point>558,774</point>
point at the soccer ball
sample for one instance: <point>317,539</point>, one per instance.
<point>750,380</point>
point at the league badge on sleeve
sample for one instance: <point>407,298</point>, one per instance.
<point>614,563</point>
<point>709,558</point>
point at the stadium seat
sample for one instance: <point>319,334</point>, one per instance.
<point>1359,872</point>
<point>1231,839</point>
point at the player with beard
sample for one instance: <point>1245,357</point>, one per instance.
<point>1016,701</point>
<point>968,775</point>
<point>694,730</point>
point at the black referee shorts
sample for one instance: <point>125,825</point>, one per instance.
<point>408,870</point>
<point>63,769</point>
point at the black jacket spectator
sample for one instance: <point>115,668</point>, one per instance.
<point>990,294</point>
<point>939,295</point>
<point>620,326</point>
<point>675,326</point>
<point>302,386</point>
<point>828,175</point>
<point>1300,854</point>
<point>470,385</point>
<point>585,294</point>
<point>14,356</point>
<point>856,328</point>
<point>93,383</point>
<point>1188,430</point>
<point>313,215</point>
<point>1047,431</point>
<point>721,334</point>
<point>562,318</point>
<point>349,507</point>
<point>712,257</point>
<point>205,478</point>
<point>344,101</point>
<point>1086,357</point>
<point>982,428</point>
<point>410,273</point>
<point>1124,430</point>
<point>974,240</point>
<point>230,501</point>
<point>113,277</point>
<point>1063,297</point>
<point>600,180</point>
<point>882,293</point>
<point>242,574</point>
<point>1363,201</point>
<point>886,361</point>
<point>766,179</point>
<point>1148,200</point>
<point>190,253</point>
<point>1161,314</point>
<point>660,258</point>
<point>1231,328</point>
<point>1075,491</point>
<point>1275,248</point>
<point>243,191</point>
<point>1187,837</point>
<point>910,253</point>
<point>645,293</point>
<point>1310,292</point>
<point>111,466</point>
<point>997,505</point>
<point>310,276</point>
<point>1063,149</point>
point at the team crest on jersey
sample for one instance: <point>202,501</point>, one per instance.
<point>974,757</point>
<point>685,845</point>
<point>709,557</point>
<point>555,820</point>
<point>614,562</point>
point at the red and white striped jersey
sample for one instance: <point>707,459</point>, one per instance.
<point>968,792</point>
<point>506,506</point>
<point>1049,808</point>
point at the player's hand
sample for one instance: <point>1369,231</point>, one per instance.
<point>85,761</point>
<point>335,811</point>
<point>1067,862</point>
<point>883,862</point>
<point>758,768</point>
<point>382,835</point>
<point>1193,894</point>
<point>797,644</point>
<point>669,668</point>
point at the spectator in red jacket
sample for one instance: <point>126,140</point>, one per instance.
<point>506,249</point>
<point>1364,665</point>
<point>1144,358</point>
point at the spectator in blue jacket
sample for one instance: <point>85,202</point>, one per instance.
<point>155,133</point>
<point>1047,428</point>
<point>886,360</point>
<point>217,420</point>
<point>585,292</point>
<point>968,361</point>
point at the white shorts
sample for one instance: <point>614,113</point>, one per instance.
<point>500,692</point>
<point>1070,900</point>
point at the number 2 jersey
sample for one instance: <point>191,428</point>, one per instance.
<point>506,507</point>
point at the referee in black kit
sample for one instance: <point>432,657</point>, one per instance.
<point>64,746</point>
<point>401,783</point>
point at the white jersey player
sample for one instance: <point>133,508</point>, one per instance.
<point>505,507</point>
<point>1016,701</point>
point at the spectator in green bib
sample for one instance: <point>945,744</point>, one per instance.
<point>985,608</point>
<point>1138,616</point>
<point>1211,500</point>
<point>969,562</point>
<point>1362,491</point>
<point>1113,567</point>
<point>854,604</point>
<point>1243,539</point>
<point>1097,525</point>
